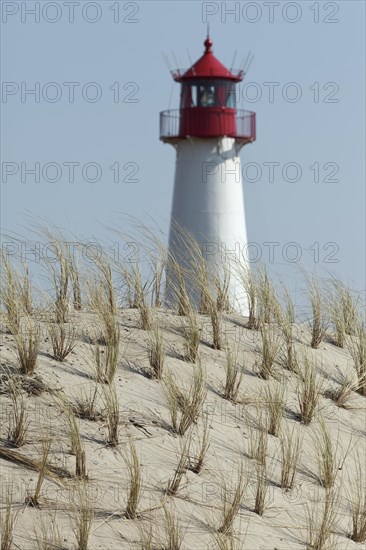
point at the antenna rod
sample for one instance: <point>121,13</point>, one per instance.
<point>242,66</point>
<point>166,59</point>
<point>233,61</point>
<point>189,58</point>
<point>249,64</point>
<point>175,60</point>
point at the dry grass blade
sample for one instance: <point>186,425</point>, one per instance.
<point>175,481</point>
<point>262,486</point>
<point>48,536</point>
<point>27,341</point>
<point>258,438</point>
<point>18,424</point>
<point>342,394</point>
<point>318,322</point>
<point>342,311</point>
<point>63,339</point>
<point>267,303</point>
<point>227,541</point>
<point>106,356</point>
<point>326,459</point>
<point>7,524</point>
<point>274,398</point>
<point>33,499</point>
<point>358,352</point>
<point>290,445</point>
<point>319,533</point>
<point>249,283</point>
<point>183,300</point>
<point>185,405</point>
<point>101,298</point>
<point>358,503</point>
<point>158,269</point>
<point>180,289</point>
<point>173,531</point>
<point>85,407</point>
<point>10,293</point>
<point>234,375</point>
<point>106,282</point>
<point>146,321</point>
<point>134,482</point>
<point>53,472</point>
<point>75,281</point>
<point>59,269</point>
<point>76,444</point>
<point>112,414</point>
<point>309,390</point>
<point>195,464</point>
<point>83,516</point>
<point>232,500</point>
<point>270,346</point>
<point>156,351</point>
<point>215,318</point>
<point>287,318</point>
<point>146,537</point>
<point>25,290</point>
<point>192,336</point>
<point>222,283</point>
<point>350,306</point>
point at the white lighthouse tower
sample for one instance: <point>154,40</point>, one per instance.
<point>208,132</point>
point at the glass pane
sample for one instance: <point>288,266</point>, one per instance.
<point>230,96</point>
<point>207,95</point>
<point>194,96</point>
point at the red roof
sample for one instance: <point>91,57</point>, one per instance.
<point>208,66</point>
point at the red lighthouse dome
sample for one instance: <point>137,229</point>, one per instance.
<point>207,103</point>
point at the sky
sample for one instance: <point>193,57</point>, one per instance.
<point>90,129</point>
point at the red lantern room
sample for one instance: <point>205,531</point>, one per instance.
<point>207,103</point>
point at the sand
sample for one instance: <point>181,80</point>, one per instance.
<point>145,418</point>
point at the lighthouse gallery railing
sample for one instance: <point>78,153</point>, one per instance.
<point>170,124</point>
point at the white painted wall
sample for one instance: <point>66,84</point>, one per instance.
<point>208,201</point>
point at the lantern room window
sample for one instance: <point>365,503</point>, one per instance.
<point>208,93</point>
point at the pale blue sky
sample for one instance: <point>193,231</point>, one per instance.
<point>304,132</point>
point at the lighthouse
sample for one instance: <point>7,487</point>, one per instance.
<point>208,132</point>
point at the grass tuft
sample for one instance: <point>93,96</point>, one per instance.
<point>27,341</point>
<point>83,516</point>
<point>7,524</point>
<point>319,533</point>
<point>270,347</point>
<point>358,503</point>
<point>232,499</point>
<point>192,336</point>
<point>274,398</point>
<point>185,404</point>
<point>19,423</point>
<point>290,446</point>
<point>234,376</point>
<point>33,499</point>
<point>111,404</point>
<point>318,322</point>
<point>63,339</point>
<point>358,352</point>
<point>134,482</point>
<point>325,456</point>
<point>308,390</point>
<point>156,350</point>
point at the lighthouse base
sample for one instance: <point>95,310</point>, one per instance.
<point>208,209</point>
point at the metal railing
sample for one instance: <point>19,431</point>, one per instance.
<point>242,127</point>
<point>178,73</point>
